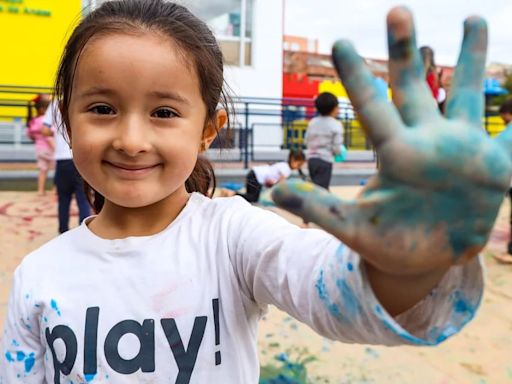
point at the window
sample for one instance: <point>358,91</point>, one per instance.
<point>231,21</point>
<point>226,18</point>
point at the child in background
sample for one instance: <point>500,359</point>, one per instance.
<point>43,144</point>
<point>506,114</point>
<point>324,138</point>
<point>268,176</point>
<point>186,278</point>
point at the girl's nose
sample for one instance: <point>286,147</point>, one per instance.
<point>132,136</point>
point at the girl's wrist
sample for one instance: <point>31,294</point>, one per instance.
<point>398,293</point>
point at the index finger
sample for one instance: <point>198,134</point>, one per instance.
<point>378,116</point>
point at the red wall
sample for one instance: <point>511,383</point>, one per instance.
<point>299,86</point>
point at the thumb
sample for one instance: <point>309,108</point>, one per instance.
<point>317,205</point>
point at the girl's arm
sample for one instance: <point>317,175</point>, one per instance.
<point>318,280</point>
<point>47,131</point>
<point>22,353</point>
<point>51,143</point>
<point>440,181</point>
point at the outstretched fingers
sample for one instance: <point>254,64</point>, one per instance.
<point>406,72</point>
<point>466,99</point>
<point>378,117</point>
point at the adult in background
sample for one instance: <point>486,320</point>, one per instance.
<point>431,73</point>
<point>324,137</point>
<point>67,179</point>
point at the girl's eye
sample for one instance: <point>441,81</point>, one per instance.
<point>102,110</point>
<point>163,113</point>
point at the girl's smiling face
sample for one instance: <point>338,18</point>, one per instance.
<point>136,118</point>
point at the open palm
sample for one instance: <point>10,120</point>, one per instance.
<point>441,180</point>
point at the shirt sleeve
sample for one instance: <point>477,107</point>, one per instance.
<point>337,138</point>
<point>21,358</point>
<point>318,280</point>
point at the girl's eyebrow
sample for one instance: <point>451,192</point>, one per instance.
<point>97,91</point>
<point>170,95</point>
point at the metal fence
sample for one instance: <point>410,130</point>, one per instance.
<point>259,126</point>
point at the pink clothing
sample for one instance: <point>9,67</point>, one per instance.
<point>35,132</point>
<point>45,159</point>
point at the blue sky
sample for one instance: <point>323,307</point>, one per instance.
<point>438,24</point>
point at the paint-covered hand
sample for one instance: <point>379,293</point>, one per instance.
<point>441,180</point>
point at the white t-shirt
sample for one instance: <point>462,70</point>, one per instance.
<point>272,173</point>
<point>182,306</point>
<point>52,118</point>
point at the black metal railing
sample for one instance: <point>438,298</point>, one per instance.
<point>258,124</point>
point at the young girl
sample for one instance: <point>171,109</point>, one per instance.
<point>43,144</point>
<point>165,285</point>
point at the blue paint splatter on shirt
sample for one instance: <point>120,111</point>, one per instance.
<point>29,362</point>
<point>9,358</point>
<point>351,303</point>
<point>53,303</point>
<point>461,304</point>
<point>89,377</point>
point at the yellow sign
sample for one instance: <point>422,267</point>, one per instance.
<point>32,36</point>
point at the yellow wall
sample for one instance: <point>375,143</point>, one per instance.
<point>31,44</point>
<point>32,36</point>
<point>337,89</point>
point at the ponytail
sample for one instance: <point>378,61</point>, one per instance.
<point>202,178</point>
<point>95,199</point>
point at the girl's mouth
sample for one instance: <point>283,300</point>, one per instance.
<point>131,170</point>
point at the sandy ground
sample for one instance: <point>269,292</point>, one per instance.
<point>482,353</point>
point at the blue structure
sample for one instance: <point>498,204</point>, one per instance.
<point>492,88</point>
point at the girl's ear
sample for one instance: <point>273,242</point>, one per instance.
<point>213,128</point>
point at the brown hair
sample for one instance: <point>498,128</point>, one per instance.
<point>193,37</point>
<point>296,155</point>
<point>427,56</point>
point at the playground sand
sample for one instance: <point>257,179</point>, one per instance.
<point>481,353</point>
